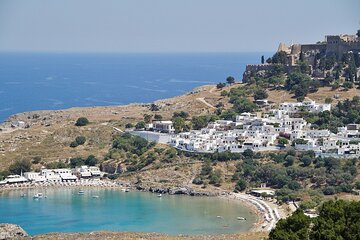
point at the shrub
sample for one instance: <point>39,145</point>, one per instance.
<point>224,93</point>
<point>3,175</point>
<point>140,125</point>
<point>329,190</point>
<point>82,121</point>
<point>158,117</point>
<point>74,144</point>
<point>113,176</point>
<point>283,141</point>
<point>77,162</point>
<point>220,85</point>
<point>328,100</point>
<point>197,181</point>
<point>129,125</point>
<point>56,165</point>
<point>80,140</point>
<point>36,160</point>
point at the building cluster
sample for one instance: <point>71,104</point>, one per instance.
<point>55,175</point>
<point>261,133</point>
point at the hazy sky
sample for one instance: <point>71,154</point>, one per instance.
<point>169,25</point>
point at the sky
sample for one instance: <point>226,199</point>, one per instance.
<point>170,25</point>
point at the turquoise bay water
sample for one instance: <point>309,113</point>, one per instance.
<point>34,81</point>
<point>65,211</point>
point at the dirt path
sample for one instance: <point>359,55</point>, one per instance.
<point>205,102</point>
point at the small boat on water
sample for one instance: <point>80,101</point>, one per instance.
<point>95,196</point>
<point>219,216</point>
<point>160,195</point>
<point>241,218</point>
<point>38,196</point>
<point>23,195</point>
<point>81,192</point>
<point>126,190</point>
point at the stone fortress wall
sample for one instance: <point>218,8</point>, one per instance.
<point>333,44</point>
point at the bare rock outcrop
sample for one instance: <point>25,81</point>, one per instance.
<point>12,231</point>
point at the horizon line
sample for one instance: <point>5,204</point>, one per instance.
<point>130,52</point>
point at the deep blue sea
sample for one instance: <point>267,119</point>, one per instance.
<point>39,81</point>
<point>65,211</point>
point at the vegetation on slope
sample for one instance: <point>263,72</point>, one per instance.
<point>337,220</point>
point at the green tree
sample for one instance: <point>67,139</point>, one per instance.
<point>206,168</point>
<point>178,124</point>
<point>304,67</point>
<point>347,85</point>
<point>158,117</point>
<point>147,118</point>
<point>260,94</point>
<point>20,166</point>
<point>4,174</point>
<point>306,160</point>
<point>289,160</point>
<point>248,153</point>
<point>77,162</point>
<point>82,121</point>
<point>91,160</point>
<point>199,122</point>
<point>358,33</point>
<point>295,227</point>
<point>215,177</point>
<point>181,114</point>
<point>280,57</point>
<point>262,59</point>
<point>241,185</point>
<point>230,80</point>
<point>242,105</point>
<point>337,220</point>
<point>283,141</point>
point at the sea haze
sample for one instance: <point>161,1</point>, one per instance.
<point>39,81</point>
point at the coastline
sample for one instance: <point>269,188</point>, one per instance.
<point>98,115</point>
<point>246,200</point>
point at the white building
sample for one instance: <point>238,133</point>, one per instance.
<point>11,179</point>
<point>34,177</point>
<point>160,126</point>
<point>95,171</point>
<point>311,106</point>
<point>65,174</point>
<point>50,175</point>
